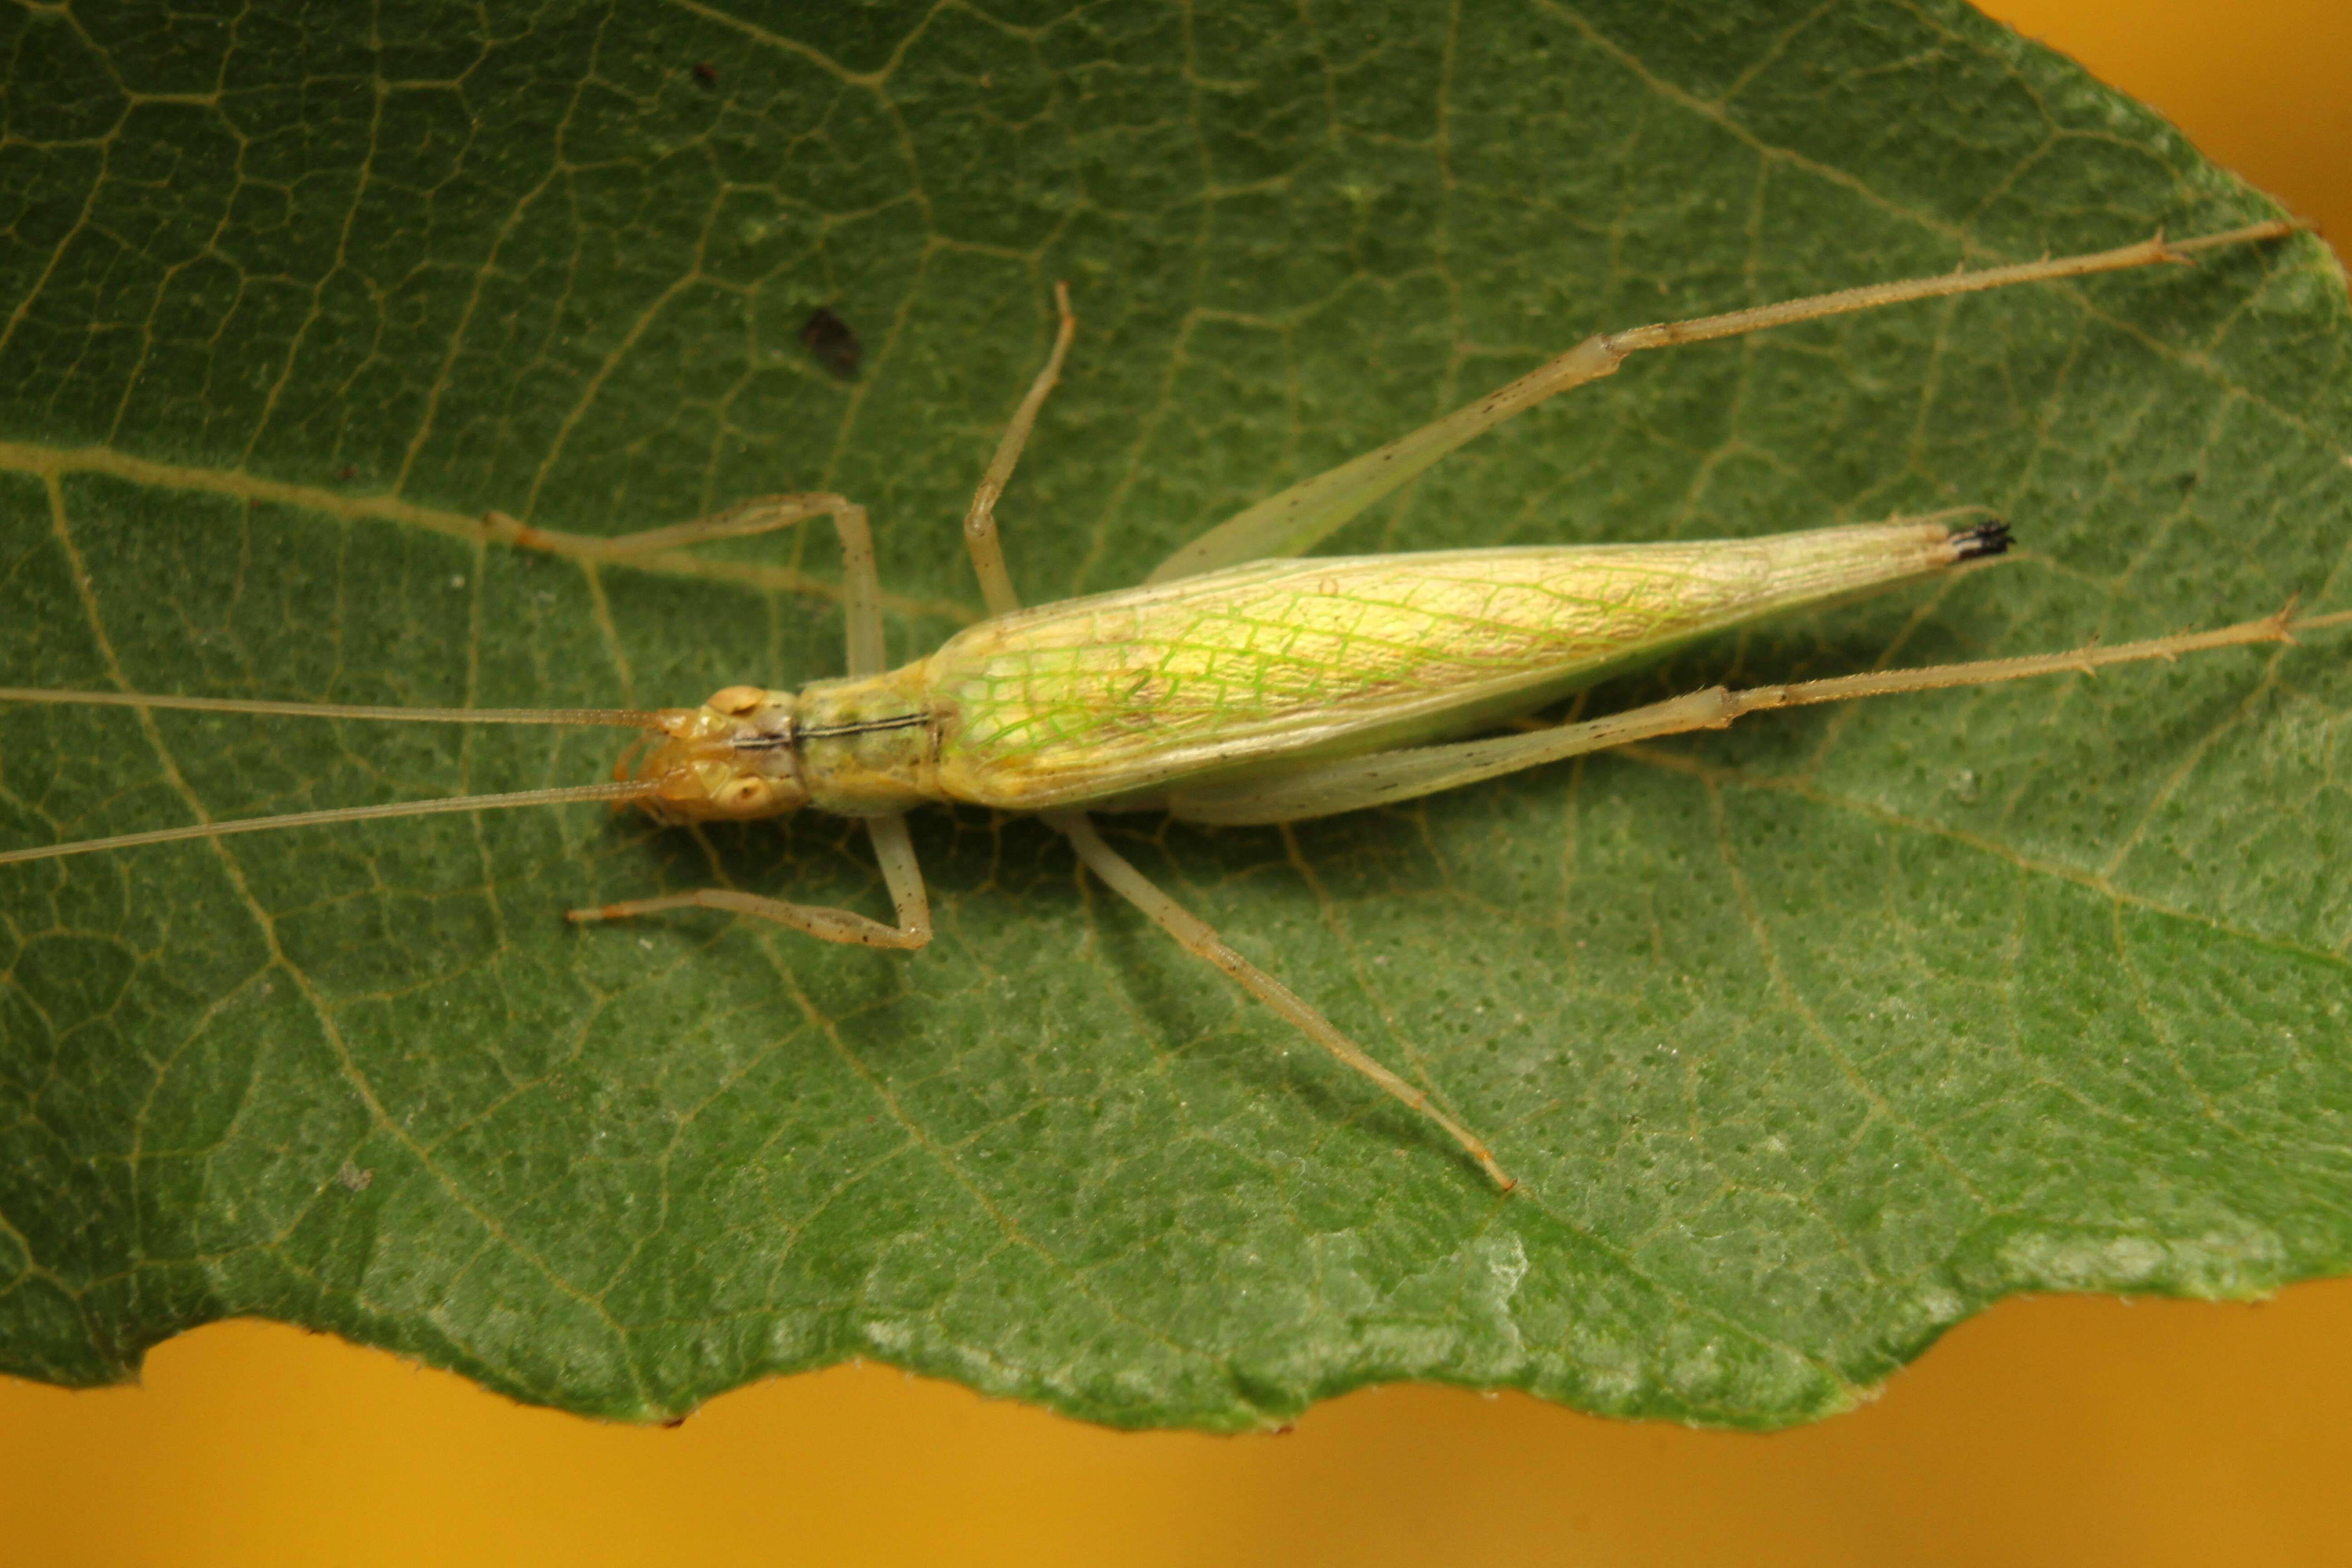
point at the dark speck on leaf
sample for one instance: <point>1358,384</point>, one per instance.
<point>835,346</point>
<point>347,473</point>
<point>706,73</point>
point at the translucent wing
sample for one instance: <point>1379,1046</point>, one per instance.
<point>1120,695</point>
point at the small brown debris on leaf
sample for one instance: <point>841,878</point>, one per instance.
<point>831,341</point>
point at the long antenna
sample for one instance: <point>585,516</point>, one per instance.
<point>634,789</point>
<point>620,718</point>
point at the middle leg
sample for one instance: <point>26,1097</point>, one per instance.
<point>1197,937</point>
<point>1112,868</point>
<point>979,522</point>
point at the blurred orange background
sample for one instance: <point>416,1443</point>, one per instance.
<point>2058,1430</point>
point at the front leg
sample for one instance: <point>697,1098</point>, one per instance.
<point>822,921</point>
<point>862,612</point>
<point>861,587</point>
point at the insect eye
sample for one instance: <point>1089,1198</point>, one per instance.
<point>736,699</point>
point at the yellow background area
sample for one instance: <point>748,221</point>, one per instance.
<point>2057,1430</point>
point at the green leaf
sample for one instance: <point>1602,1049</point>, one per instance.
<point>1808,1038</point>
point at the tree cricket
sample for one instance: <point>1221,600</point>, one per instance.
<point>1242,682</point>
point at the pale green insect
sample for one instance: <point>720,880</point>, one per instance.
<point>1241,684</point>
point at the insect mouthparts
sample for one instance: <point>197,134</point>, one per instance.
<point>1986,539</point>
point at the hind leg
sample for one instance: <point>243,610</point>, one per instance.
<point>1388,778</point>
<point>1294,520</point>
